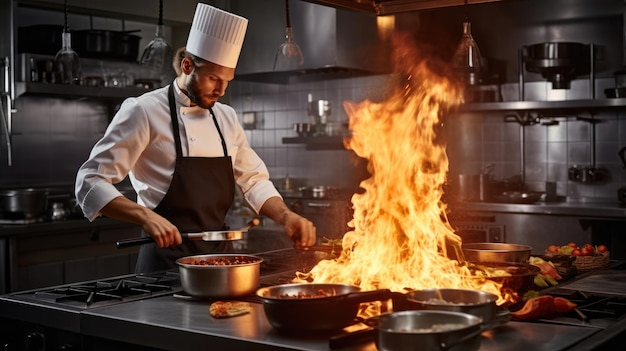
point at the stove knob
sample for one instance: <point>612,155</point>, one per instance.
<point>35,342</point>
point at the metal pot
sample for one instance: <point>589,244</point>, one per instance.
<point>43,39</point>
<point>412,330</point>
<point>496,252</point>
<point>97,43</point>
<point>520,278</point>
<point>558,62</point>
<point>478,303</point>
<point>23,203</point>
<point>219,281</point>
<point>312,312</point>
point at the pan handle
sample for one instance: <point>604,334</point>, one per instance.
<point>133,242</point>
<point>140,241</point>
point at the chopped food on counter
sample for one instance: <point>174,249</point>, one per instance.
<point>542,306</point>
<point>225,309</point>
<point>549,274</point>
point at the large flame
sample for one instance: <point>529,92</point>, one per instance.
<point>401,237</point>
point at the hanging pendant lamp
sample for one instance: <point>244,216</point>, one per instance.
<point>66,61</point>
<point>289,56</point>
<point>157,55</point>
<point>467,58</point>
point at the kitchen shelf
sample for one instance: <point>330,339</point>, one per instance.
<point>76,91</point>
<point>318,142</point>
<point>566,105</point>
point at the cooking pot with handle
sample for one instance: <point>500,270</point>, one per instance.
<point>315,307</point>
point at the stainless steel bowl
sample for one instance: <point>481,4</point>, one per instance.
<point>219,281</point>
<point>496,252</point>
<point>478,303</point>
<point>413,330</point>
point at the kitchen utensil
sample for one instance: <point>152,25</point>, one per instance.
<point>304,129</point>
<point>43,39</point>
<point>558,62</point>
<point>518,280</point>
<point>478,303</point>
<point>157,55</point>
<point>518,197</point>
<point>613,93</point>
<point>66,61</point>
<point>110,44</point>
<point>496,252</point>
<point>212,235</point>
<point>289,56</point>
<point>219,280</point>
<point>301,308</point>
<point>23,203</point>
<point>431,330</point>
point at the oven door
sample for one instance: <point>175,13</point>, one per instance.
<point>480,232</point>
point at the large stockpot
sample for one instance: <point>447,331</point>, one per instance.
<point>301,308</point>
<point>98,43</point>
<point>496,252</point>
<point>478,303</point>
<point>219,280</point>
<point>427,330</point>
<point>23,203</point>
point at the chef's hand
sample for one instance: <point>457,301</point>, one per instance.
<point>300,230</point>
<point>164,233</point>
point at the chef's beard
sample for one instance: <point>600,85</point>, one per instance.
<point>195,94</point>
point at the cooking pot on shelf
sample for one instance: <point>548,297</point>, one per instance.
<point>23,203</point>
<point>558,62</point>
<point>103,44</point>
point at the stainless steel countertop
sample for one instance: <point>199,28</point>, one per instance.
<point>174,324</point>
<point>593,208</point>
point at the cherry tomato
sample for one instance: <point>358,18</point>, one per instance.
<point>586,251</point>
<point>602,248</point>
<point>576,252</point>
<point>573,245</point>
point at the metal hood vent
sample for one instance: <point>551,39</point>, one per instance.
<point>390,7</point>
<point>335,43</point>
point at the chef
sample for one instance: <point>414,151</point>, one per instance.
<point>184,152</point>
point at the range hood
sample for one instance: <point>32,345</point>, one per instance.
<point>390,7</point>
<point>336,43</point>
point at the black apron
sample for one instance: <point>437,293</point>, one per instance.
<point>201,192</point>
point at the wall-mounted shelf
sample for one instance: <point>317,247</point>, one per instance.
<point>76,91</point>
<point>566,105</point>
<point>318,142</point>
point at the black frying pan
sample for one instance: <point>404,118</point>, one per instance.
<point>288,313</point>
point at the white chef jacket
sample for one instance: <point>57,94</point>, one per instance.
<point>139,143</point>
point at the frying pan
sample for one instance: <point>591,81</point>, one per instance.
<point>314,313</point>
<point>212,235</point>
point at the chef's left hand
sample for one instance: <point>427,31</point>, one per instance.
<point>300,230</point>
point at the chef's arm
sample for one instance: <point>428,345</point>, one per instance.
<point>164,233</point>
<point>298,228</point>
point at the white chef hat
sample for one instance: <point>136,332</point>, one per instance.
<point>216,35</point>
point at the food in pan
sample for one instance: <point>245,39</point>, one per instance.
<point>225,309</point>
<point>305,295</point>
<point>223,261</point>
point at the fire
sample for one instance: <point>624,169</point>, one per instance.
<point>401,235</point>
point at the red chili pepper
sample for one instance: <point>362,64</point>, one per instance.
<point>535,308</point>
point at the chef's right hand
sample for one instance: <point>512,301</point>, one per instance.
<point>162,231</point>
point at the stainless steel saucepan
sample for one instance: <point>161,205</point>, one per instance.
<point>212,235</point>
